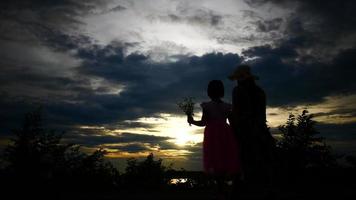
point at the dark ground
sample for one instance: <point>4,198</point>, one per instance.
<point>302,193</point>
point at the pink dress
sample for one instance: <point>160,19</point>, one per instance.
<point>220,147</point>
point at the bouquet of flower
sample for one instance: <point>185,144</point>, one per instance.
<point>187,106</point>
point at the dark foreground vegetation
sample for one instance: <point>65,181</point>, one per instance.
<point>38,164</point>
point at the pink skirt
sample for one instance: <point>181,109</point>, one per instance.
<point>220,149</point>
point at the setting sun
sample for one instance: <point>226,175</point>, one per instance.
<point>182,132</point>
<point>176,127</point>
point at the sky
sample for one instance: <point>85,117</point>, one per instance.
<point>110,72</point>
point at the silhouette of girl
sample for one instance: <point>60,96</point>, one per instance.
<point>220,148</point>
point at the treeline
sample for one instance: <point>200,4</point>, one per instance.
<point>38,162</point>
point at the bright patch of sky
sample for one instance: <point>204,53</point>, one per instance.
<point>168,27</point>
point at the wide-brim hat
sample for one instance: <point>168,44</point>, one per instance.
<point>242,72</point>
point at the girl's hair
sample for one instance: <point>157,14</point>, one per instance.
<point>215,89</point>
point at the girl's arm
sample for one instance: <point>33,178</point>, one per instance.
<point>201,122</point>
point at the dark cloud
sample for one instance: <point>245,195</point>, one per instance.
<point>165,145</point>
<point>345,131</point>
<point>196,155</point>
<point>256,3</point>
<point>194,16</point>
<point>132,148</point>
<point>129,124</point>
<point>249,14</point>
<point>109,62</point>
<point>341,137</point>
<point>95,137</point>
<point>315,58</point>
<point>57,11</point>
<point>22,20</point>
<point>152,87</point>
<point>254,28</point>
<point>291,81</point>
<point>269,25</point>
<point>147,147</point>
<point>326,27</point>
<point>202,17</point>
<point>341,113</point>
<point>131,137</point>
<point>118,8</point>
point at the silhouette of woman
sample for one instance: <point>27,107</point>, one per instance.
<point>249,124</point>
<point>220,148</point>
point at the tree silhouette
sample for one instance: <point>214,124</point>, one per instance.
<point>351,160</point>
<point>148,173</point>
<point>39,161</point>
<point>301,146</point>
<point>35,153</point>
